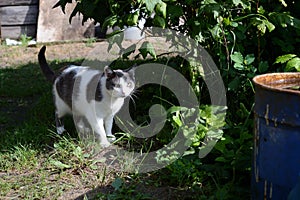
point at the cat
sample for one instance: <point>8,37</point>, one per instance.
<point>97,96</point>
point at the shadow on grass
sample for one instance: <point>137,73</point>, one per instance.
<point>26,106</point>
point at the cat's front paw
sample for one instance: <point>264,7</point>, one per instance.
<point>105,144</point>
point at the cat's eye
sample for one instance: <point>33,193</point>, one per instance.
<point>117,85</point>
<point>129,84</point>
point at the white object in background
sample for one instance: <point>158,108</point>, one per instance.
<point>10,42</point>
<point>135,32</point>
<point>31,43</point>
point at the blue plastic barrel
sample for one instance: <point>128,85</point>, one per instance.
<point>276,162</point>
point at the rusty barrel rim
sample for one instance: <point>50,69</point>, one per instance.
<point>280,82</point>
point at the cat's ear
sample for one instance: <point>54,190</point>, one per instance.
<point>131,70</point>
<point>109,73</point>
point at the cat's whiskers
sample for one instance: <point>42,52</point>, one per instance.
<point>133,96</point>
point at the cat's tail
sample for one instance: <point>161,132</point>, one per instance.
<point>47,71</point>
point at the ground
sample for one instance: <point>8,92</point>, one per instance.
<point>16,55</point>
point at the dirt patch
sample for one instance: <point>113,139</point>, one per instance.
<point>18,55</point>
<point>11,56</point>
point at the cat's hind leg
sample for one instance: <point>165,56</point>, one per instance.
<point>61,110</point>
<point>60,128</point>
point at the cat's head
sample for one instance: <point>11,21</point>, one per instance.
<point>120,83</point>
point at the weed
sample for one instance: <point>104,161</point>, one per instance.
<point>25,39</point>
<point>90,41</point>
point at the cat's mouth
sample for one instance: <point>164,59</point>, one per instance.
<point>120,95</point>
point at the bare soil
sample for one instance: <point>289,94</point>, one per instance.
<point>17,55</point>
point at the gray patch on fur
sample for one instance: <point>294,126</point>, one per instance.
<point>110,84</point>
<point>65,86</point>
<point>112,80</point>
<point>94,89</point>
<point>115,79</point>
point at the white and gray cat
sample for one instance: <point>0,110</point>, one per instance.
<point>97,96</point>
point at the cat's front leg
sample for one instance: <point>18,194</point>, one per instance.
<point>98,127</point>
<point>108,122</point>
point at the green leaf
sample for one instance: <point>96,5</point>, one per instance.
<point>133,19</point>
<point>208,2</point>
<point>249,59</point>
<point>237,57</point>
<point>239,2</point>
<point>263,66</point>
<point>283,3</point>
<point>262,27</point>
<point>284,19</point>
<point>159,21</point>
<point>234,84</point>
<point>93,167</point>
<point>226,21</point>
<point>117,184</point>
<point>117,38</point>
<point>189,152</point>
<point>269,25</point>
<point>177,120</point>
<point>161,9</point>
<point>261,10</point>
<point>78,152</point>
<point>236,2</point>
<point>128,51</point>
<point>147,48</point>
<point>284,58</point>
<point>175,11</point>
<point>293,64</point>
<point>216,32</point>
<point>221,159</point>
<point>150,4</point>
<point>59,164</point>
<point>234,24</point>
